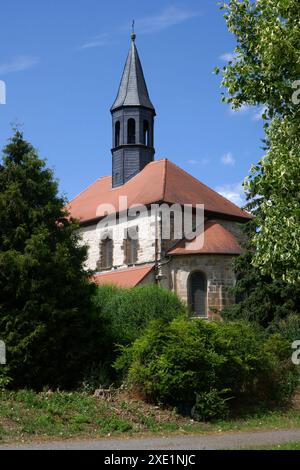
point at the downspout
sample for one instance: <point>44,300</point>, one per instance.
<point>156,267</point>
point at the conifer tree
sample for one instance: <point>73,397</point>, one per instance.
<point>46,314</point>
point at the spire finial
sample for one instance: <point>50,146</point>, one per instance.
<point>133,35</point>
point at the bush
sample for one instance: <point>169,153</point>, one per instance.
<point>288,327</point>
<point>127,312</point>
<point>193,364</point>
<point>124,315</point>
<point>210,405</point>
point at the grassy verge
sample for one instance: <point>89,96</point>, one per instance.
<point>27,416</point>
<point>288,446</point>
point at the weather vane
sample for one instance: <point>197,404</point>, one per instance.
<point>133,35</point>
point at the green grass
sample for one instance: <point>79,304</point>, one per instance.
<point>288,446</point>
<point>28,416</point>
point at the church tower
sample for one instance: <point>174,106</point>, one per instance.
<point>133,122</point>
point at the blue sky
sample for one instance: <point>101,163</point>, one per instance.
<point>62,62</point>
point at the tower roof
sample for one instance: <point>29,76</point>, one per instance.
<point>133,89</point>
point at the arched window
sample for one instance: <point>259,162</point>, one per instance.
<point>131,245</point>
<point>131,131</point>
<point>197,289</point>
<point>146,133</point>
<point>107,253</point>
<point>117,133</point>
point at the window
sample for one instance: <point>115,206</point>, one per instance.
<point>107,253</point>
<point>131,131</point>
<point>197,288</point>
<point>131,246</point>
<point>117,133</point>
<point>146,133</point>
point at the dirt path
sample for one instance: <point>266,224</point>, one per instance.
<point>193,442</point>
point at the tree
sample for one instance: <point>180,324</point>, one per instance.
<point>46,314</point>
<point>259,298</point>
<point>264,72</point>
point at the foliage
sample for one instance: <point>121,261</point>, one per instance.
<point>128,311</point>
<point>265,69</point>
<point>124,314</point>
<point>46,313</point>
<point>173,363</point>
<point>260,298</point>
<point>209,405</point>
<point>288,327</point>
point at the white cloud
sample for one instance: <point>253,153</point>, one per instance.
<point>170,16</point>
<point>18,64</point>
<point>98,41</point>
<point>233,192</point>
<point>193,162</point>
<point>228,57</point>
<point>228,159</point>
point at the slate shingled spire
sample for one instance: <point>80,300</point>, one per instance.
<point>133,89</point>
<point>133,122</point>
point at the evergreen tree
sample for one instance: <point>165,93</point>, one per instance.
<point>46,314</point>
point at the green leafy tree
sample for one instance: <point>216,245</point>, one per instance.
<point>264,73</point>
<point>46,316</point>
<point>261,299</point>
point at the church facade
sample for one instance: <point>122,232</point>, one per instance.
<point>126,238</point>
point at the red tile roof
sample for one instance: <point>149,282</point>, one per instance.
<point>217,240</point>
<point>129,277</point>
<point>159,181</point>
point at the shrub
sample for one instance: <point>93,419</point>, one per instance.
<point>128,312</point>
<point>210,405</point>
<point>288,327</point>
<point>124,315</point>
<point>200,365</point>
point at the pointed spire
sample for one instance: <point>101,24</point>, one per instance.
<point>133,89</point>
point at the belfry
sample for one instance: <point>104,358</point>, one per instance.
<point>133,122</point>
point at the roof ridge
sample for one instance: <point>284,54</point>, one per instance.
<point>127,84</point>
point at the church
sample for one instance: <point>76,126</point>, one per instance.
<point>200,273</point>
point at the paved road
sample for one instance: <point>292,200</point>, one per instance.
<point>192,442</point>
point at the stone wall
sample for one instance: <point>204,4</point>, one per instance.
<point>218,271</point>
<point>91,236</point>
<point>174,273</point>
